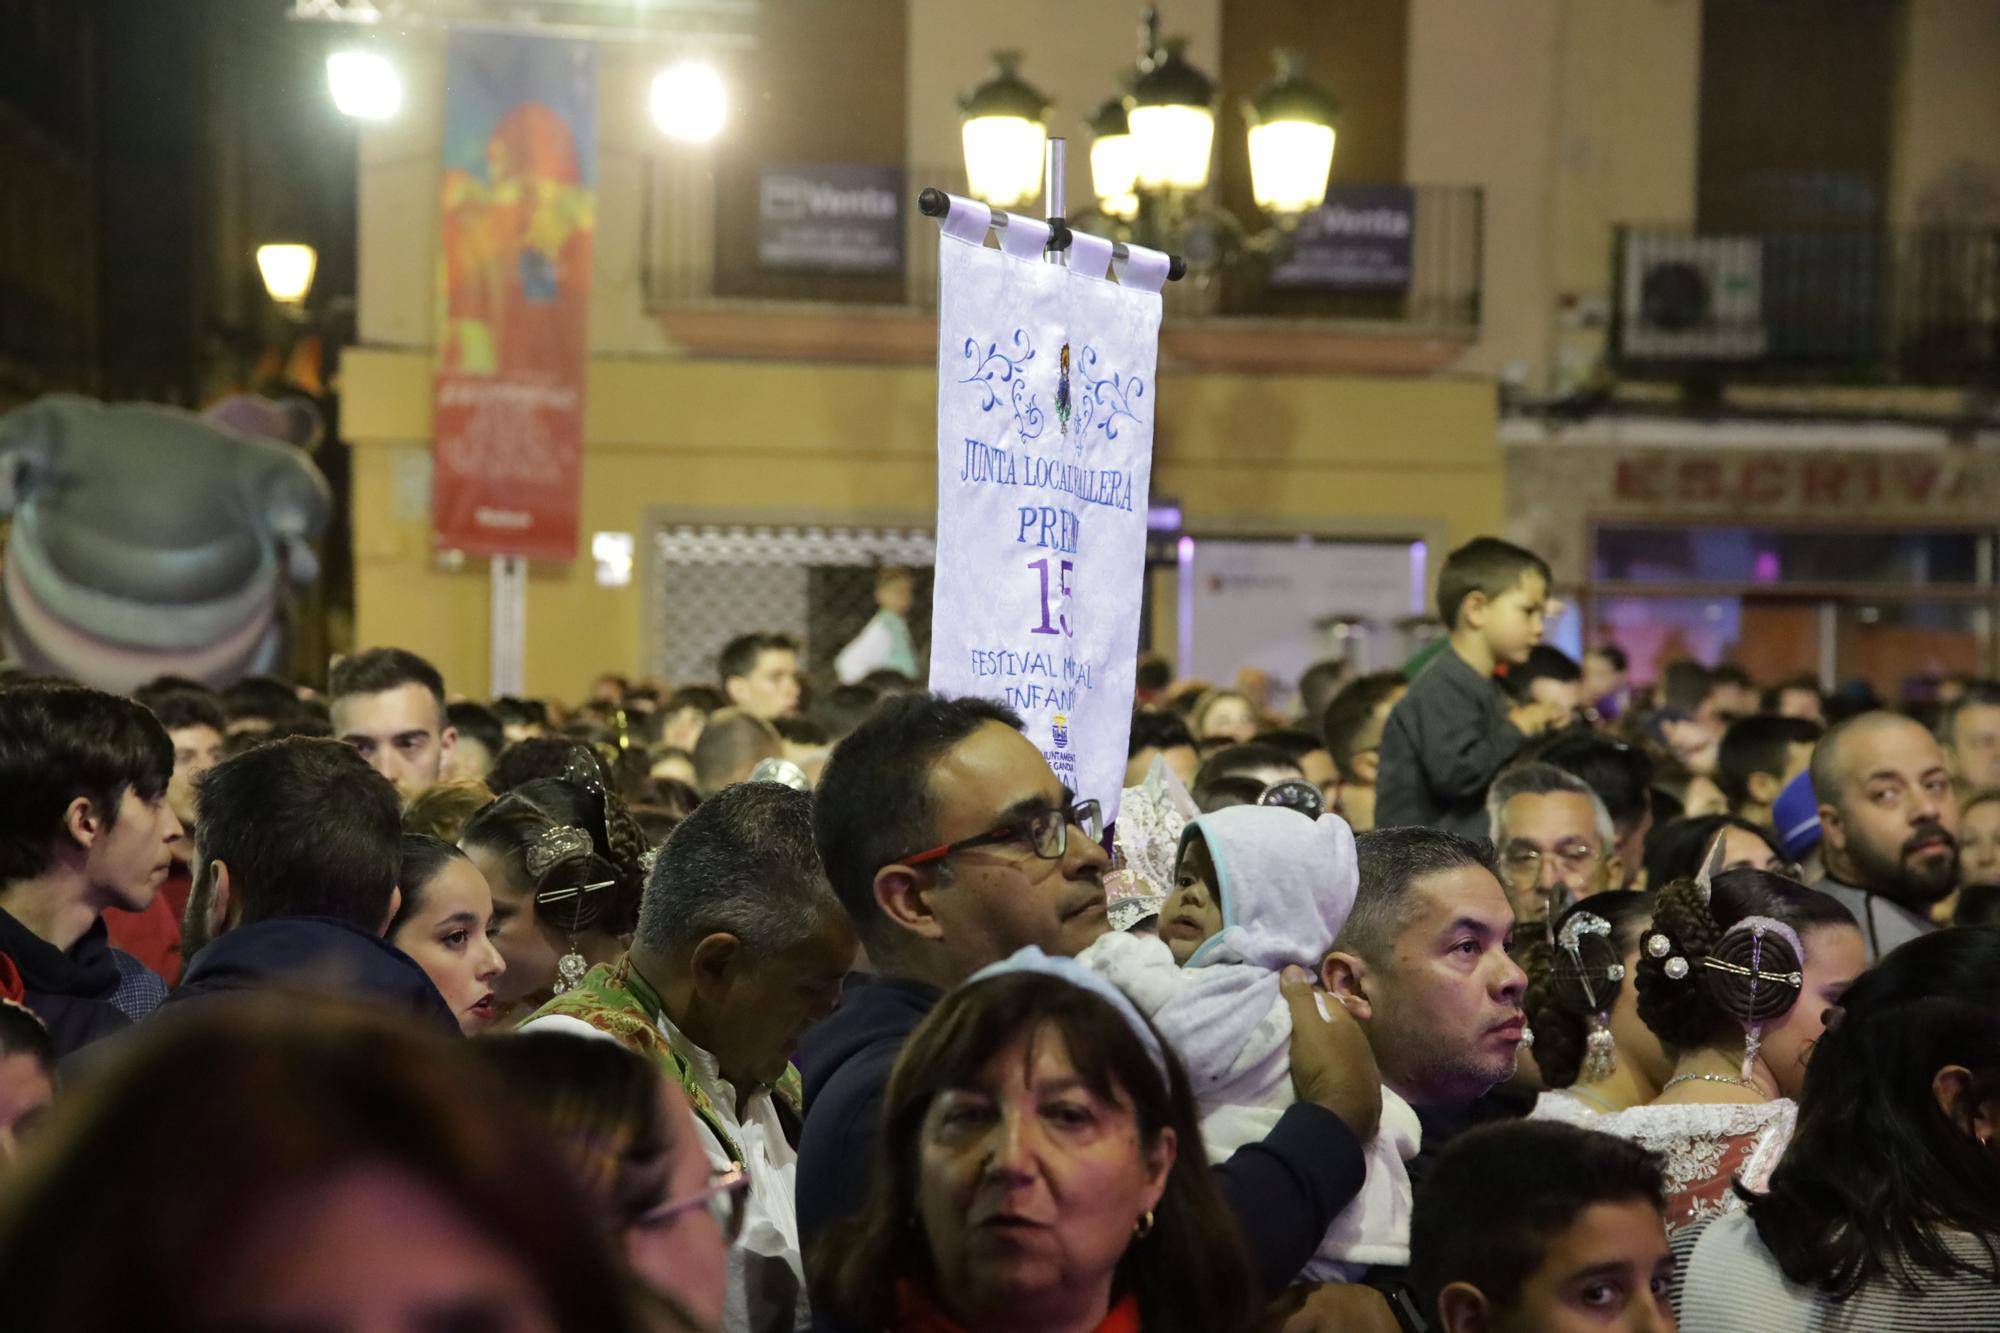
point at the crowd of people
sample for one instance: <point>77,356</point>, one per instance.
<point>1499,992</point>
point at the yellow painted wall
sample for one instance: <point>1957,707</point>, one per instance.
<point>1573,116</point>
<point>1946,154</point>
<point>790,441</point>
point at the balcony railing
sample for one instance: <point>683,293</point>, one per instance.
<point>1918,306</point>
<point>702,250</point>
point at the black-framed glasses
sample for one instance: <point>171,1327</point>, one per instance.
<point>724,1197</point>
<point>1046,831</point>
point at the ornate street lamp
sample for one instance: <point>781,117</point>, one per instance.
<point>1114,161</point>
<point>1291,141</point>
<point>1150,164</point>
<point>1005,132</point>
<point>1171,109</point>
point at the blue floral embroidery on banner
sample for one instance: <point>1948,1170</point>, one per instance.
<point>997,367</point>
<point>1105,399</point>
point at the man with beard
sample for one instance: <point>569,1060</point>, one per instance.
<point>1890,825</point>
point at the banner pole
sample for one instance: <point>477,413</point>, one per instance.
<point>509,625</point>
<point>1052,201</point>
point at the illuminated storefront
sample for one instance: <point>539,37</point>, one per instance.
<point>1837,562</point>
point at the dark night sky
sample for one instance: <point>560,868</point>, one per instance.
<point>215,133</point>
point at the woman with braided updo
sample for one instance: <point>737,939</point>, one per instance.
<point>1734,977</point>
<point>564,860</point>
<point>1591,1048</point>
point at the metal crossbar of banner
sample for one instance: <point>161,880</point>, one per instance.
<point>935,203</point>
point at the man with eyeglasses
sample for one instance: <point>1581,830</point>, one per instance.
<point>952,845</point>
<point>1554,839</point>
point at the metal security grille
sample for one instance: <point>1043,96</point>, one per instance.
<point>714,582</point>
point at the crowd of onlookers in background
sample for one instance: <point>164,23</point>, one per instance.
<point>1495,992</point>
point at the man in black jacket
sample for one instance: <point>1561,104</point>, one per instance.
<point>295,871</point>
<point>952,845</point>
<point>84,825</point>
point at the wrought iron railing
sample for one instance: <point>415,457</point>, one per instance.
<point>701,248</point>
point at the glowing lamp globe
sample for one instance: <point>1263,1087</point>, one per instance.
<point>1291,141</point>
<point>1172,114</point>
<point>364,85</point>
<point>688,102</point>
<point>1005,133</point>
<point>287,271</point>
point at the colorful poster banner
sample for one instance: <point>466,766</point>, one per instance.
<point>1045,443</point>
<point>517,214</point>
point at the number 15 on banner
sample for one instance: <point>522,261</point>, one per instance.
<point>1063,593</point>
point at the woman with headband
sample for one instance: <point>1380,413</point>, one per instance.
<point>1039,1167</point>
<point>1593,1051</point>
<point>1734,977</point>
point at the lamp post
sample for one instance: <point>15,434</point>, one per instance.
<point>1151,151</point>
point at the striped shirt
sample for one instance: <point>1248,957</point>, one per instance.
<point>1730,1283</point>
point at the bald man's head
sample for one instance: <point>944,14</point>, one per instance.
<point>1885,804</point>
<point>1833,756</point>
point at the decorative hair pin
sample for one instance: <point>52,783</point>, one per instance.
<point>1711,865</point>
<point>1758,927</point>
<point>1600,1047</point>
<point>1570,940</point>
<point>555,845</point>
<point>577,891</point>
<point>582,769</point>
<point>1659,946</point>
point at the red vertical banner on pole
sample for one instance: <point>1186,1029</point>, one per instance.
<point>517,213</point>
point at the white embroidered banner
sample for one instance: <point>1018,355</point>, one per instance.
<point>1045,447</point>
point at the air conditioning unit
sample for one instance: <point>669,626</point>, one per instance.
<point>1692,298</point>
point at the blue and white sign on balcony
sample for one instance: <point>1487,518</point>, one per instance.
<point>1359,240</point>
<point>830,217</point>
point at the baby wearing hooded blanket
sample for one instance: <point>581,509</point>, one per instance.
<point>1286,884</point>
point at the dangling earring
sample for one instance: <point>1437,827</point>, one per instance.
<point>1600,1051</point>
<point>1144,1227</point>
